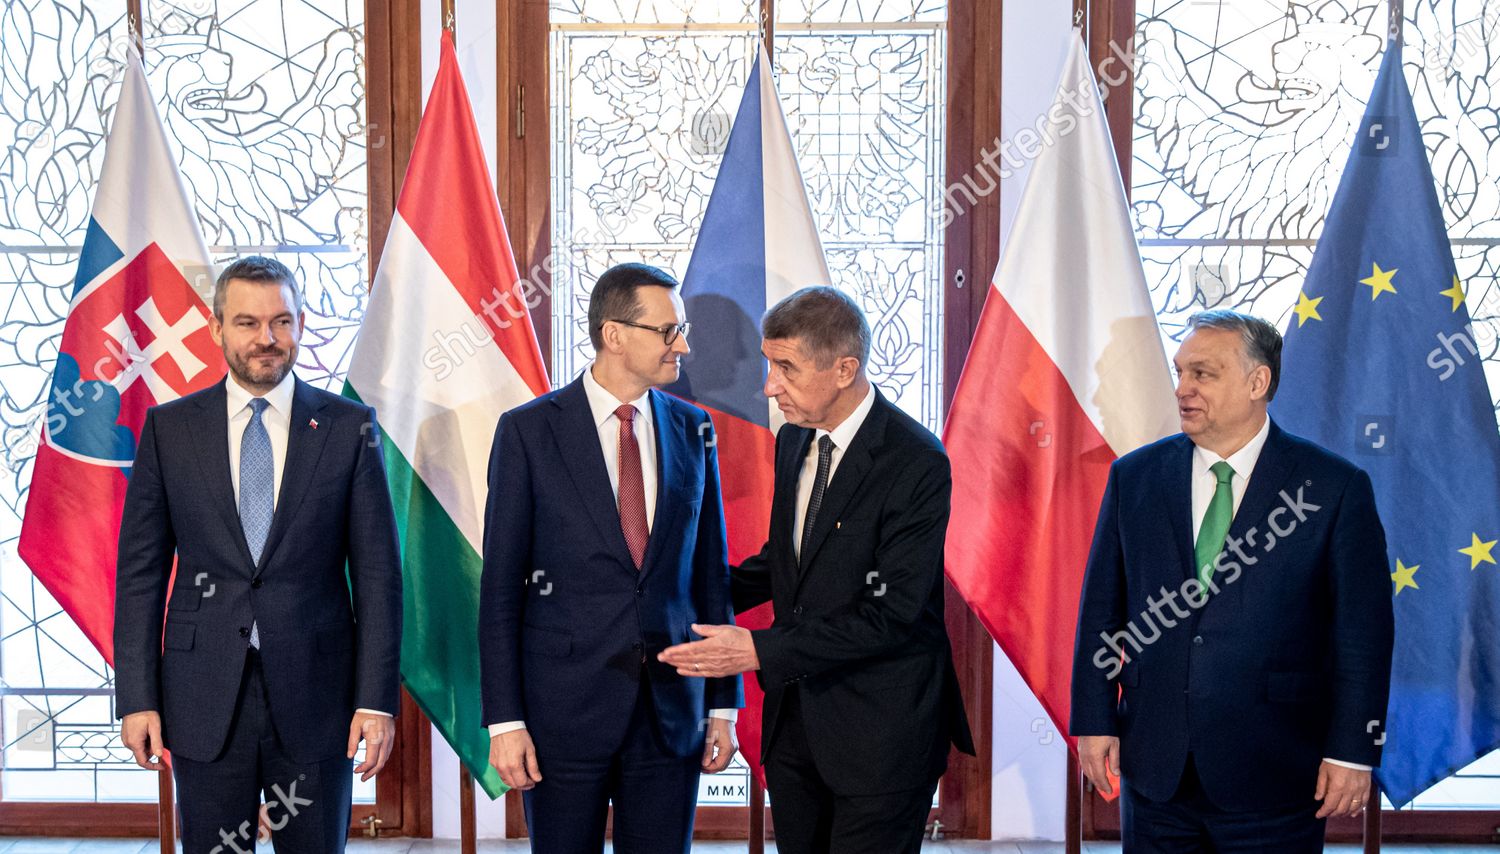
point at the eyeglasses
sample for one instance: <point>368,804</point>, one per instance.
<point>668,332</point>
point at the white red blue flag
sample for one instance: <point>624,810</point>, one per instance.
<point>136,335</point>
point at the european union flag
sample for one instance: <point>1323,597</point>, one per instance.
<point>1382,366</point>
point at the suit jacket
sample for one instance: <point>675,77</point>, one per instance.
<point>329,642</point>
<point>859,625</point>
<point>566,621</point>
<point>1288,664</point>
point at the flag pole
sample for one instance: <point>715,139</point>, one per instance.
<point>1372,818</point>
<point>1076,791</point>
<point>468,832</point>
<point>166,823</point>
<point>1073,833</point>
<point>468,825</point>
<point>757,815</point>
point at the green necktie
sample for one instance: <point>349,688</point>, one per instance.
<point>1215,522</point>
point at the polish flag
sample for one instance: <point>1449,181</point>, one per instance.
<point>1066,374</point>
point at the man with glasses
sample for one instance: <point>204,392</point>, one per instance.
<point>603,542</point>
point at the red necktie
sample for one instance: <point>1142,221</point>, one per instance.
<point>632,486</point>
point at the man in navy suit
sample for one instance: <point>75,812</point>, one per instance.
<point>603,542</point>
<point>1234,640</point>
<point>274,662</point>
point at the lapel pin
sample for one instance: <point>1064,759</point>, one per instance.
<point>838,526</point>
<point>313,423</point>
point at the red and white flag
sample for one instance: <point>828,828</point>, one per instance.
<point>1066,374</point>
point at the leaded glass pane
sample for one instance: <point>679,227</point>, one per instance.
<point>639,126</point>
<point>866,111</point>
<point>1244,116</point>
<point>647,12</point>
<point>640,119</point>
<point>264,105</point>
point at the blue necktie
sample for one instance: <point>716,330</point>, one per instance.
<point>257,488</point>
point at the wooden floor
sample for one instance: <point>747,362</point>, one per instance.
<point>447,846</point>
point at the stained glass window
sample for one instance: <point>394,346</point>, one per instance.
<point>643,99</point>
<point>264,105</point>
<point>1244,116</point>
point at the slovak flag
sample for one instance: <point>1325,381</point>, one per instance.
<point>757,244</point>
<point>136,335</point>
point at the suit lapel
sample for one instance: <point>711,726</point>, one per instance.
<point>578,441</point>
<point>671,434</point>
<point>857,460</point>
<point>304,446</point>
<point>784,498</point>
<point>1266,480</point>
<point>210,438</point>
<point>1175,487</point>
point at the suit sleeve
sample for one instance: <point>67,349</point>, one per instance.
<point>374,577</point>
<point>1363,627</point>
<point>908,563</point>
<point>142,569</point>
<point>711,575</point>
<point>1101,613</point>
<point>507,560</point>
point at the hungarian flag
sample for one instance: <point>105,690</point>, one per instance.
<point>446,347</point>
<point>757,244</point>
<point>1066,373</point>
<point>136,335</point>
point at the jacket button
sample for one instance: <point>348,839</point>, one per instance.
<point>797,611</point>
<point>1197,640</point>
<point>255,584</point>
<point>244,632</point>
<point>637,647</point>
<point>640,591</point>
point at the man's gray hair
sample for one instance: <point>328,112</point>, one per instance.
<point>1261,340</point>
<point>827,322</point>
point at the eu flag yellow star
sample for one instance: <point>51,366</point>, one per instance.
<point>1379,282</point>
<point>1479,552</point>
<point>1455,293</point>
<point>1403,577</point>
<point>1307,309</point>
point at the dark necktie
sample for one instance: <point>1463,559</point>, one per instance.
<point>632,486</point>
<point>815,501</point>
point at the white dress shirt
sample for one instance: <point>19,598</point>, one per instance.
<point>602,406</point>
<point>1204,484</point>
<point>842,435</point>
<point>277,419</point>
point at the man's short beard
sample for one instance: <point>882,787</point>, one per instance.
<point>242,370</point>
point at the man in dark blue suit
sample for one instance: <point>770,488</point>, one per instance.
<point>603,542</point>
<point>1234,640</point>
<point>274,662</point>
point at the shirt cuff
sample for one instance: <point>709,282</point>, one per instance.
<point>730,715</point>
<point>375,712</point>
<point>508,726</point>
<point>1342,764</point>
